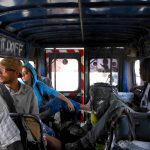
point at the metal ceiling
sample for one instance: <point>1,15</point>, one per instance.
<point>76,22</point>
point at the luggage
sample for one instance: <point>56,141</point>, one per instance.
<point>100,92</point>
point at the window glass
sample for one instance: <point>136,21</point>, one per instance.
<point>101,69</point>
<point>32,63</point>
<point>137,72</point>
<point>67,74</point>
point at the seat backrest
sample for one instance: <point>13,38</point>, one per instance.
<point>31,131</point>
<point>33,127</point>
<point>130,129</point>
<point>123,129</point>
<point>141,127</point>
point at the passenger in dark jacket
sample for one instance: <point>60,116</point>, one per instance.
<point>114,108</point>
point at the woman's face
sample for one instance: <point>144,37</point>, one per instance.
<point>26,74</point>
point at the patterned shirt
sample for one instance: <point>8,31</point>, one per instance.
<point>9,132</point>
<point>25,100</point>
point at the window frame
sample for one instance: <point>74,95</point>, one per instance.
<point>111,70</point>
<point>67,56</point>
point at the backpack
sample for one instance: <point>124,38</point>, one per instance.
<point>101,93</point>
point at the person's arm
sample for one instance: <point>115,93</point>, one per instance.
<point>48,90</point>
<point>68,102</point>
<point>53,143</point>
<point>85,107</point>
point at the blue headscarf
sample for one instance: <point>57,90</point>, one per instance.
<point>39,87</point>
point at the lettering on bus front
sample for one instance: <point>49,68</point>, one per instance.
<point>11,46</point>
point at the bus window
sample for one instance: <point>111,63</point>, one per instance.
<point>137,72</point>
<point>67,74</point>
<point>101,70</point>
<point>32,63</point>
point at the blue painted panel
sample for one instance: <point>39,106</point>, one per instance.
<point>125,77</point>
<point>108,21</point>
<point>10,3</point>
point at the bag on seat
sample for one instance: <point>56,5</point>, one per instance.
<point>100,92</point>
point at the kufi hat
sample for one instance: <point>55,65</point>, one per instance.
<point>12,63</point>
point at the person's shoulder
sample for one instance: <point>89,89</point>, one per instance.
<point>41,84</point>
<point>25,88</point>
<point>46,80</point>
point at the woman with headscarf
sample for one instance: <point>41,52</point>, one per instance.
<point>29,76</point>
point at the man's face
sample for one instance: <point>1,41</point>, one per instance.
<point>7,75</point>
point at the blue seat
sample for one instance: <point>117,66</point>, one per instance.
<point>121,137</point>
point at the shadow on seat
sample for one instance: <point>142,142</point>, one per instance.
<point>16,145</point>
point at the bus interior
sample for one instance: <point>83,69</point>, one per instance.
<point>77,43</point>
<point>86,32</point>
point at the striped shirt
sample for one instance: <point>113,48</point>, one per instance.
<point>9,132</point>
